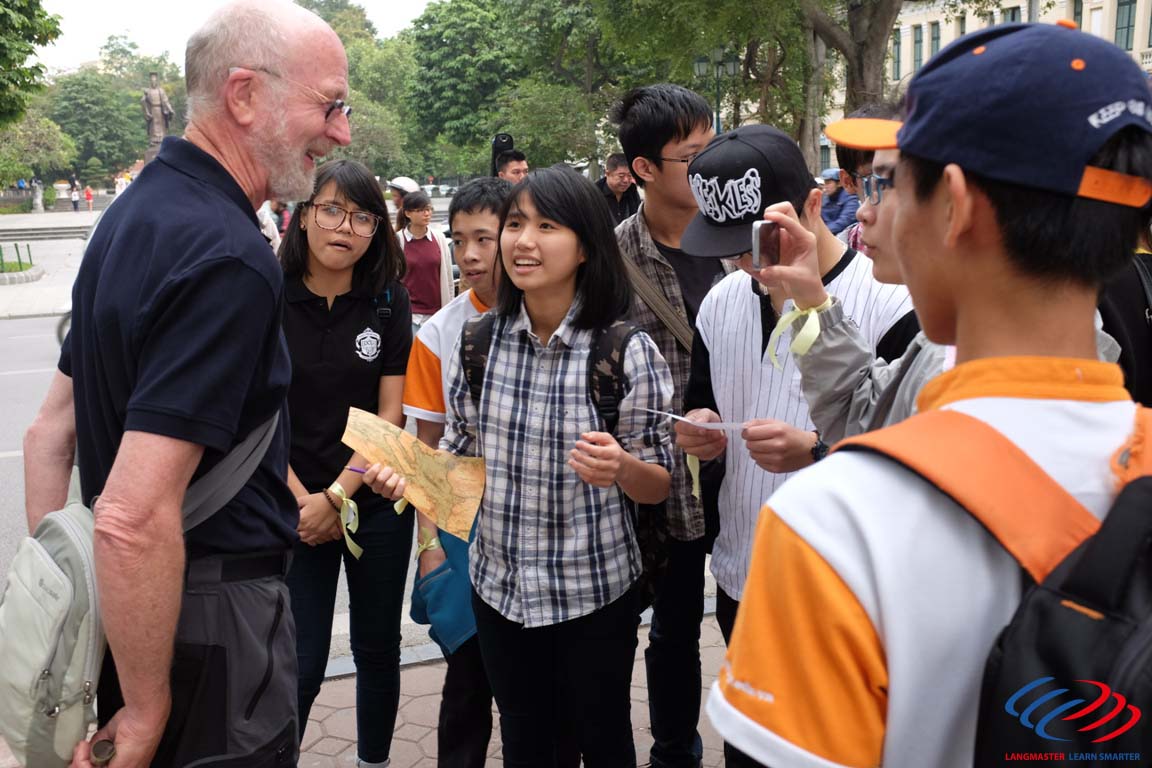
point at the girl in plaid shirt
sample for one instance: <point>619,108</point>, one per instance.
<point>555,559</point>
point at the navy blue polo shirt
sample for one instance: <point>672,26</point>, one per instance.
<point>176,331</point>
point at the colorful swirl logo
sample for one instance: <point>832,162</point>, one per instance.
<point>1052,707</point>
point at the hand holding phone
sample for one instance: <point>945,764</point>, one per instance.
<point>765,244</point>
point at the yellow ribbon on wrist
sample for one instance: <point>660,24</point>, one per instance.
<point>349,518</point>
<point>809,332</point>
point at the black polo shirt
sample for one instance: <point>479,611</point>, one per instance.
<point>338,357</point>
<point>176,331</point>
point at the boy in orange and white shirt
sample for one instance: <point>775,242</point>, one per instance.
<point>873,598</point>
<point>442,595</point>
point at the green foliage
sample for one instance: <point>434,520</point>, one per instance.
<point>551,123</point>
<point>95,174</point>
<point>463,58</point>
<point>24,24</point>
<point>49,196</point>
<point>346,18</point>
<point>103,117</point>
<point>34,146</point>
<point>377,136</point>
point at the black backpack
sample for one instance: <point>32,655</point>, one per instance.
<point>606,385</point>
<point>1072,671</point>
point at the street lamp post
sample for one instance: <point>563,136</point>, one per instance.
<point>719,64</point>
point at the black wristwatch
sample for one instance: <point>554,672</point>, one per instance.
<point>820,450</point>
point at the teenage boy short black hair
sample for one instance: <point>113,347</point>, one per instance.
<point>484,194</point>
<point>509,156</point>
<point>567,198</point>
<point>1059,237</point>
<point>650,116</point>
<point>850,159</point>
<point>382,262</point>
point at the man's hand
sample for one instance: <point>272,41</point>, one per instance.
<point>704,444</point>
<point>385,481</point>
<point>778,447</point>
<point>135,735</point>
<point>319,522</point>
<point>798,274</point>
<point>597,458</point>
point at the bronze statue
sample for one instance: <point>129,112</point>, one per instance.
<point>157,111</point>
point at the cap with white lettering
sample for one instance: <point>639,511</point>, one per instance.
<point>734,178</point>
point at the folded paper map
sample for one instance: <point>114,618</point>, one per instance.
<point>445,487</point>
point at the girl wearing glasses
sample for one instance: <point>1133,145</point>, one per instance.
<point>347,323</point>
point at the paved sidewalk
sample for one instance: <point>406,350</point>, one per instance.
<point>60,259</point>
<point>330,739</point>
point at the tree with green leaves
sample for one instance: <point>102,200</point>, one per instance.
<point>377,136</point>
<point>463,58</point>
<point>348,20</point>
<point>102,117</point>
<point>550,122</point>
<point>24,24</point>
<point>34,146</point>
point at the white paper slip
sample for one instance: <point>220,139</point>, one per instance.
<point>730,426</point>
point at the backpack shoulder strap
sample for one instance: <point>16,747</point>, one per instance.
<point>383,303</point>
<point>475,341</point>
<point>606,370</point>
<point>659,304</point>
<point>990,477</point>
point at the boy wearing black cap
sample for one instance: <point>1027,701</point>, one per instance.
<point>1022,184</point>
<point>742,369</point>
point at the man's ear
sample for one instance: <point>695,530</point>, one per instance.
<point>960,197</point>
<point>643,168</point>
<point>812,203</point>
<point>239,96</point>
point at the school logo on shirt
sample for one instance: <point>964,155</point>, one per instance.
<point>368,345</point>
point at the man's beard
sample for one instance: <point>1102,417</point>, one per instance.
<point>287,178</point>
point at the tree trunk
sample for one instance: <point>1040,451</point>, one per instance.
<point>808,128</point>
<point>863,40</point>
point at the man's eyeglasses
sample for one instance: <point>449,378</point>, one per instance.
<point>331,106</point>
<point>684,160</point>
<point>329,216</point>
<point>872,187</point>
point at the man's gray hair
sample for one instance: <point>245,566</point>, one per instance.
<point>242,34</point>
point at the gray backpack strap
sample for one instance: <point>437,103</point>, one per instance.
<point>219,485</point>
<point>658,303</point>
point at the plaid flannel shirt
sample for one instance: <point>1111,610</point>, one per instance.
<point>550,547</point>
<point>685,514</point>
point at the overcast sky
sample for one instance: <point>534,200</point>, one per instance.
<point>162,25</point>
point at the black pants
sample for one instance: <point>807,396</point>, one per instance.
<point>672,658</point>
<point>563,686</point>
<point>726,609</point>
<point>465,710</point>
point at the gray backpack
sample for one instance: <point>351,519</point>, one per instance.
<point>51,638</point>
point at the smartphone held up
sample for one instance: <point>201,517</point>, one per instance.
<point>765,244</point>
